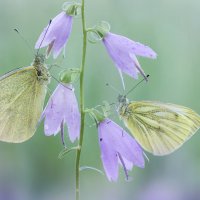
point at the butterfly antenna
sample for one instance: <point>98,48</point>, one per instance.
<point>54,65</point>
<point>23,38</point>
<point>44,37</point>
<point>144,79</point>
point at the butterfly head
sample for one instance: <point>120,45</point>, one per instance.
<point>122,99</point>
<point>39,60</point>
<point>42,71</point>
<point>122,104</point>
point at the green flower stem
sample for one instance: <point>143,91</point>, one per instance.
<point>78,152</point>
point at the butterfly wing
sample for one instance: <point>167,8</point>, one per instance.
<point>21,102</point>
<point>160,128</point>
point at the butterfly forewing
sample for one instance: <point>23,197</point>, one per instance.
<point>21,102</point>
<point>160,128</point>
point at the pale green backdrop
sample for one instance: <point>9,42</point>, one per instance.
<point>32,170</point>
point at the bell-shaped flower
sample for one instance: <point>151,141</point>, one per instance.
<point>62,108</point>
<point>56,34</point>
<point>123,52</point>
<point>118,147</point>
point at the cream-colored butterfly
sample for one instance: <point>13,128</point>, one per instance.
<point>160,128</point>
<point>22,95</point>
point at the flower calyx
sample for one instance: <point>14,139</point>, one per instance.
<point>69,75</point>
<point>99,31</point>
<point>96,115</point>
<point>72,8</point>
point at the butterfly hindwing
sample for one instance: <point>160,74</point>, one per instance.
<point>21,102</point>
<point>160,128</point>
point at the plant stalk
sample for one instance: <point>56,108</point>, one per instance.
<point>82,70</point>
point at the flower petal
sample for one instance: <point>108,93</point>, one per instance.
<point>122,142</point>
<point>130,46</point>
<point>123,164</point>
<point>54,111</point>
<point>141,50</point>
<point>72,114</point>
<point>108,156</point>
<point>137,65</point>
<point>128,164</point>
<point>64,33</point>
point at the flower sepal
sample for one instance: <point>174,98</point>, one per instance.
<point>99,31</point>
<point>69,75</point>
<point>72,8</point>
<point>96,115</point>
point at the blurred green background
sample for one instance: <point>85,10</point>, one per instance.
<point>32,170</point>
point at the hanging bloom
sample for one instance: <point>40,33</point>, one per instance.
<point>56,34</point>
<point>118,147</point>
<point>62,108</point>
<point>123,52</point>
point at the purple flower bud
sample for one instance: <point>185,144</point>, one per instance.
<point>123,52</point>
<point>118,147</point>
<point>56,35</point>
<point>62,107</point>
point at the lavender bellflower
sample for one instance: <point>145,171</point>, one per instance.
<point>57,34</point>
<point>118,147</point>
<point>62,108</point>
<point>123,52</point>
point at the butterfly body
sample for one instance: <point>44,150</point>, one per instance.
<point>22,95</point>
<point>160,128</point>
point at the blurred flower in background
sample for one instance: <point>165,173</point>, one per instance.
<point>160,190</point>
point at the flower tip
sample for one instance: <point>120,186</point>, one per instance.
<point>55,54</point>
<point>142,165</point>
<point>37,45</point>
<point>112,179</point>
<point>73,139</point>
<point>153,55</point>
<point>141,162</point>
<point>48,134</point>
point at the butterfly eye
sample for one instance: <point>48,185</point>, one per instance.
<point>120,98</point>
